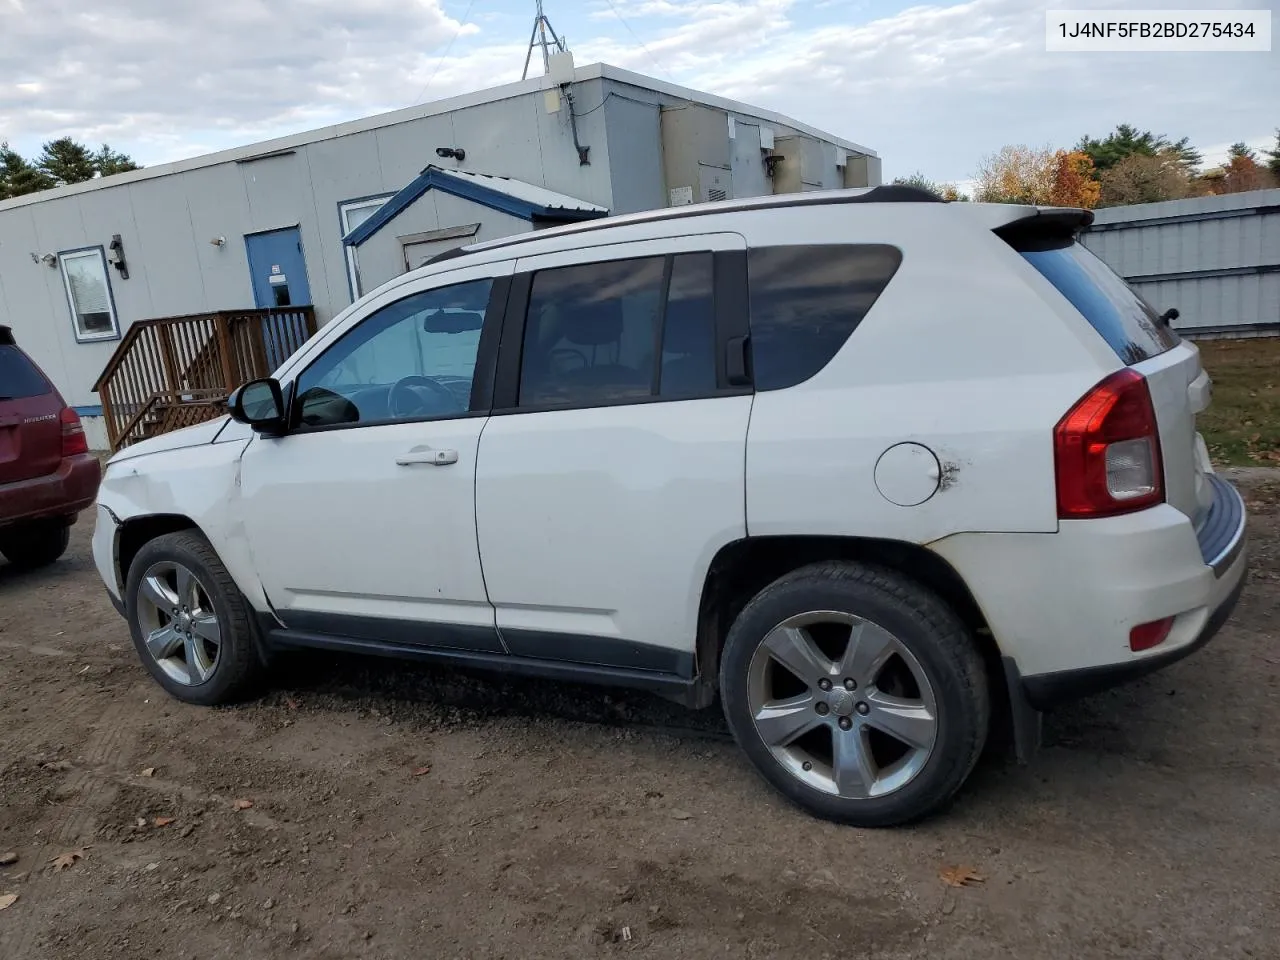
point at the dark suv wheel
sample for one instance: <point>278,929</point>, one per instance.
<point>37,544</point>
<point>856,693</point>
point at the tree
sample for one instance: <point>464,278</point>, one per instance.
<point>1016,174</point>
<point>1140,178</point>
<point>1241,150</point>
<point>947,191</point>
<point>17,176</point>
<point>1273,158</point>
<point>107,161</point>
<point>67,161</point>
<point>1074,184</point>
<point>1242,172</point>
<point>1127,141</point>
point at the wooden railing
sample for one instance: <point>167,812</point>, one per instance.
<point>173,372</point>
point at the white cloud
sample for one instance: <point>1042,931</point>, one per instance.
<point>932,87</point>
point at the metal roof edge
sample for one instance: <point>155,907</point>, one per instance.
<point>439,178</point>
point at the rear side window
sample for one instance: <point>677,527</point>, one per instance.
<point>1121,317</point>
<point>806,301</point>
<point>19,377</point>
<point>618,331</point>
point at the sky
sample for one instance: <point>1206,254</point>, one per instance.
<point>931,87</point>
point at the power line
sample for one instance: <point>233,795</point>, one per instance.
<point>636,37</point>
<point>439,63</point>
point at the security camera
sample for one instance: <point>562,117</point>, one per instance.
<point>457,153</point>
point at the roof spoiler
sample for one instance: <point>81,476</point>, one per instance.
<point>6,336</point>
<point>1052,225</point>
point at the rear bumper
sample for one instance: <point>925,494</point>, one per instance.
<point>63,493</point>
<point>1061,606</point>
<point>1048,689</point>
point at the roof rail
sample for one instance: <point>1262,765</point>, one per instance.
<point>887,193</point>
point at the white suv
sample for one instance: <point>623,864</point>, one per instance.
<point>867,465</point>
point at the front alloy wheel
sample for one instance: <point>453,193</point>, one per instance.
<point>178,623</point>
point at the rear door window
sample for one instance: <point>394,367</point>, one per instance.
<point>19,377</point>
<point>1121,317</point>
<point>806,301</point>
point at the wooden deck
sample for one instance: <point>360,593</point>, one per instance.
<point>172,372</point>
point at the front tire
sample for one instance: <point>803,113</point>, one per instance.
<point>191,626</point>
<point>37,544</point>
<point>856,693</point>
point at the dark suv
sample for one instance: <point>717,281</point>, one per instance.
<point>47,474</point>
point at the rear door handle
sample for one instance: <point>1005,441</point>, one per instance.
<point>436,458</point>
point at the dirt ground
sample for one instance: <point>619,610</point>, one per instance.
<point>402,811</point>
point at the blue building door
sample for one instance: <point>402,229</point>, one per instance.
<point>279,275</point>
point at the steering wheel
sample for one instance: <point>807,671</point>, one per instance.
<point>576,354</point>
<point>406,400</point>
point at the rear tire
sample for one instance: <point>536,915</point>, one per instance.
<point>38,544</point>
<point>192,627</point>
<point>856,693</point>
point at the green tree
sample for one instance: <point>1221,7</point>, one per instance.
<point>1126,141</point>
<point>67,161</point>
<point>1241,150</point>
<point>947,191</point>
<point>107,161</point>
<point>1273,158</point>
<point>18,176</point>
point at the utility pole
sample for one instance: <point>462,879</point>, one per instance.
<point>538,38</point>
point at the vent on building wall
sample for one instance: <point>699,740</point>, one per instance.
<point>714,194</point>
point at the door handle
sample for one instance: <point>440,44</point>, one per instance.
<point>436,458</point>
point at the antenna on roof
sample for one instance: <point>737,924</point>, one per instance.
<point>538,38</point>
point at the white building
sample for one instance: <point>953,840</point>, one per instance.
<point>319,217</point>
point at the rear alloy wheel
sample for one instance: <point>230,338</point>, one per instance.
<point>191,626</point>
<point>856,692</point>
<point>35,544</point>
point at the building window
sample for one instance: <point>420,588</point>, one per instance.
<point>84,274</point>
<point>352,213</point>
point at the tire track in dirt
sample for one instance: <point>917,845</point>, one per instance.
<point>91,792</point>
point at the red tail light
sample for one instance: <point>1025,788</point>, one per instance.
<point>73,439</point>
<point>1107,451</point>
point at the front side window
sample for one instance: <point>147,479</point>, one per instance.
<point>411,360</point>
<point>84,274</point>
<point>806,301</point>
<point>620,330</point>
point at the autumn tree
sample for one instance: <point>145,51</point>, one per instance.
<point>1140,178</point>
<point>1242,172</point>
<point>1074,184</point>
<point>18,176</point>
<point>1016,174</point>
<point>1127,141</point>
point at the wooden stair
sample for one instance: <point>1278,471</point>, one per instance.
<point>174,372</point>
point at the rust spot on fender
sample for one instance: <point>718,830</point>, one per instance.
<point>949,476</point>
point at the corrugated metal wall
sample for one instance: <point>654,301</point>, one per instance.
<point>1216,259</point>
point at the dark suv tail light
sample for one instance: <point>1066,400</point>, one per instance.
<point>1107,451</point>
<point>74,441</point>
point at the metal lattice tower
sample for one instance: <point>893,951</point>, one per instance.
<point>538,38</point>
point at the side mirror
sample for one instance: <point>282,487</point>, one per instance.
<point>260,404</point>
